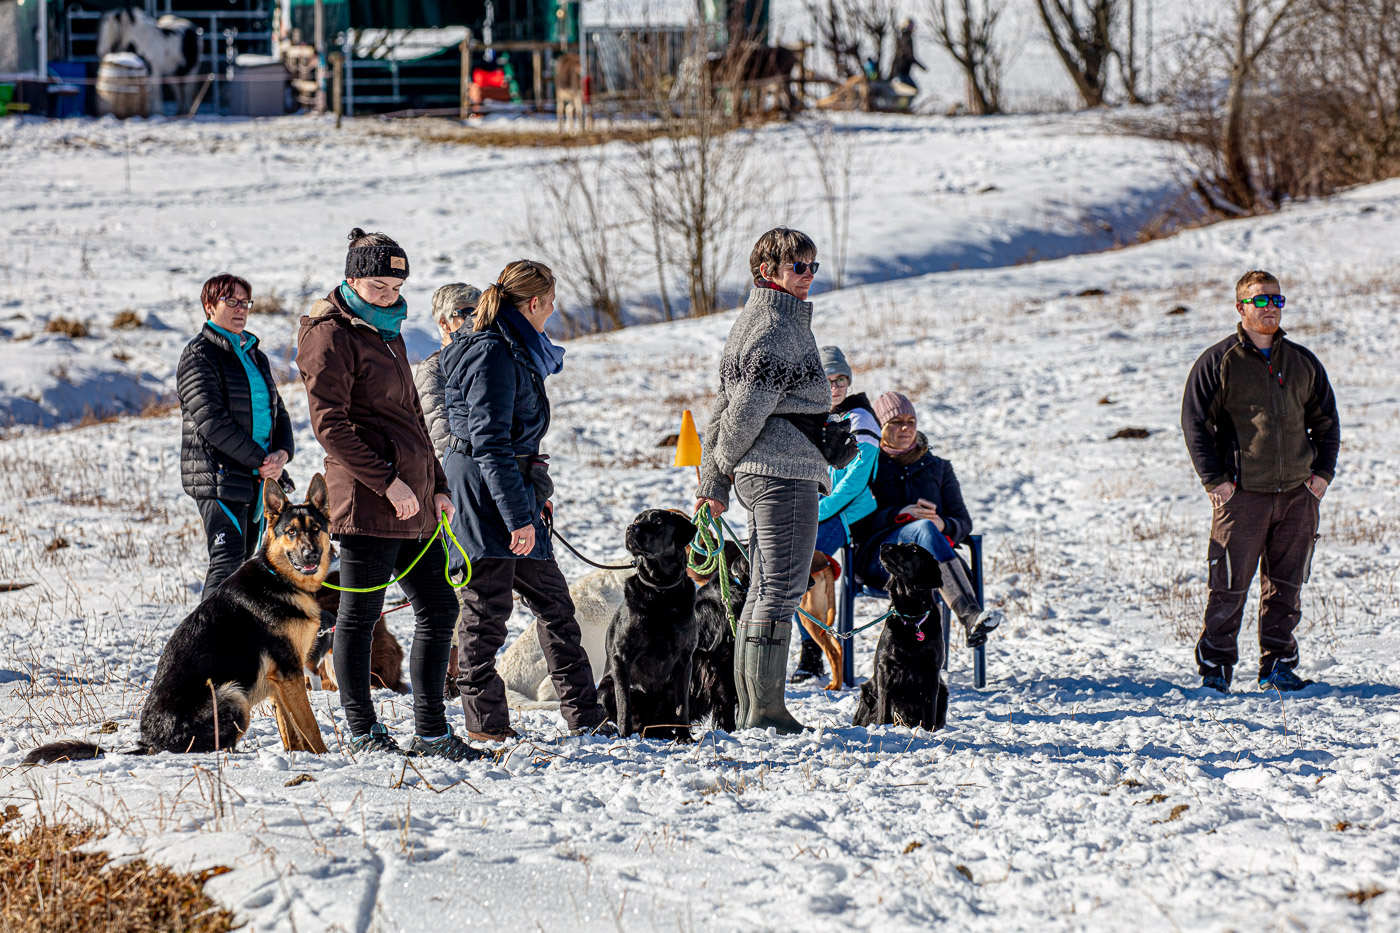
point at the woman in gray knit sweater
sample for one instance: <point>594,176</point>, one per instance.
<point>770,368</point>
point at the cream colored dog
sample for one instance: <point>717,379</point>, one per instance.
<point>596,597</point>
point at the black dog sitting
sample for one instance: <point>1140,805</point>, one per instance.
<point>712,691</point>
<point>907,688</point>
<point>651,640</point>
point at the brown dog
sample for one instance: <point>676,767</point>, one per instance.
<point>385,652</point>
<point>820,603</point>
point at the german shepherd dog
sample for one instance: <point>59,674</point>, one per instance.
<point>247,642</point>
<point>907,687</point>
<point>712,690</point>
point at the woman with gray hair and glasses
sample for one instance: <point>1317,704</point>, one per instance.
<point>453,307</point>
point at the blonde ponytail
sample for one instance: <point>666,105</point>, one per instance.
<point>517,284</point>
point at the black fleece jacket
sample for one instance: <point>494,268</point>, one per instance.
<point>1265,423</point>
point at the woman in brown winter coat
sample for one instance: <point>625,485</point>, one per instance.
<point>386,486</point>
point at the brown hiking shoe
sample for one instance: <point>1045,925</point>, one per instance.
<point>506,733</point>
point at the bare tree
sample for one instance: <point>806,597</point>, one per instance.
<point>838,165</point>
<point>850,31</point>
<point>968,34</point>
<point>1258,24</point>
<point>573,220</point>
<point>1125,50</point>
<point>1081,32</point>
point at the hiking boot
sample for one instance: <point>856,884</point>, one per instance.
<point>449,747</point>
<point>605,728</point>
<point>376,741</point>
<point>958,593</point>
<point>810,663</point>
<point>760,660</point>
<point>1215,682</point>
<point>1283,679</point>
<point>501,736</point>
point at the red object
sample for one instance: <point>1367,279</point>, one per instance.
<point>587,89</point>
<point>835,567</point>
<point>495,77</point>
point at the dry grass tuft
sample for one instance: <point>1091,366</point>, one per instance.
<point>67,327</point>
<point>271,303</point>
<point>52,886</point>
<point>127,320</point>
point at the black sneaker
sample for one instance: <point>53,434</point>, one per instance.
<point>449,747</point>
<point>1283,679</point>
<point>376,741</point>
<point>1215,682</point>
<point>810,663</point>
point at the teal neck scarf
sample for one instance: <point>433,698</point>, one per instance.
<point>386,320</point>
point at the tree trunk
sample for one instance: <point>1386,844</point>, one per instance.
<point>1239,182</point>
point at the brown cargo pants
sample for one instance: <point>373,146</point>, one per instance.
<point>1274,533</point>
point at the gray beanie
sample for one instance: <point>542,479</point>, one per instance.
<point>834,362</point>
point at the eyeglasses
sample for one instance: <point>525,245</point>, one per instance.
<point>801,268</point>
<point>246,303</point>
<point>1263,301</point>
<point>839,381</point>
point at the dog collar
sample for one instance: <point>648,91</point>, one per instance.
<point>659,586</point>
<point>919,625</point>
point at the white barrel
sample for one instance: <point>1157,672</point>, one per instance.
<point>123,86</point>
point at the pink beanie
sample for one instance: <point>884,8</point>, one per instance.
<point>892,404</point>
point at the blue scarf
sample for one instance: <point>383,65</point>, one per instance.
<point>545,355</point>
<point>385,320</point>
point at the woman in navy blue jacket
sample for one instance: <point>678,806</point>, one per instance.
<point>918,499</point>
<point>498,414</point>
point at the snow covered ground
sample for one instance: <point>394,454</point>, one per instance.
<point>1090,786</point>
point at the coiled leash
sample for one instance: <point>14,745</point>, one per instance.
<point>548,516</point>
<point>707,557</point>
<point>443,532</point>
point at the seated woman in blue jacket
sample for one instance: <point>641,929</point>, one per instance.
<point>918,499</point>
<point>850,499</point>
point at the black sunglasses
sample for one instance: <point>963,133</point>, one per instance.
<point>801,267</point>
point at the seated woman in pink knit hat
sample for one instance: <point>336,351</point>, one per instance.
<point>918,500</point>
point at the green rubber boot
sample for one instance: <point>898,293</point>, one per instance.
<point>760,669</point>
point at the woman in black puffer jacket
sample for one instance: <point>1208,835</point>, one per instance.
<point>234,430</point>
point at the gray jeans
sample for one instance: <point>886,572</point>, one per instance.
<point>782,535</point>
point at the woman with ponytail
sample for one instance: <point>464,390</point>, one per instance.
<point>498,414</point>
<point>387,490</point>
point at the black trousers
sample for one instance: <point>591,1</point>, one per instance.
<point>232,531</point>
<point>365,561</point>
<point>486,606</point>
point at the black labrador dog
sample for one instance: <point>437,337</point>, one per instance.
<point>651,640</point>
<point>712,691</point>
<point>907,688</point>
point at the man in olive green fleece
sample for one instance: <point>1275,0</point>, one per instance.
<point>1261,426</point>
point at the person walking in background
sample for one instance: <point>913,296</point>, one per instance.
<point>851,498</point>
<point>770,369</point>
<point>902,69</point>
<point>387,490</point>
<point>498,413</point>
<point>919,500</point>
<point>234,429</point>
<point>453,306</point>
<point>1260,423</point>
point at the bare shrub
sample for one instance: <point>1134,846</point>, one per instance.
<point>1080,32</point>
<point>67,327</point>
<point>968,34</point>
<point>53,883</point>
<point>573,219</point>
<point>271,303</point>
<point>852,31</point>
<point>838,165</point>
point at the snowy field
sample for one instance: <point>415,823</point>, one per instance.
<point>1090,786</point>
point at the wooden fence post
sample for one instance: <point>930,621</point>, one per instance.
<point>338,85</point>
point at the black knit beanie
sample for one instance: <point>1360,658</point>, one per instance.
<point>376,262</point>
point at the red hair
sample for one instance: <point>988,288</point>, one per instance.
<point>222,286</point>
